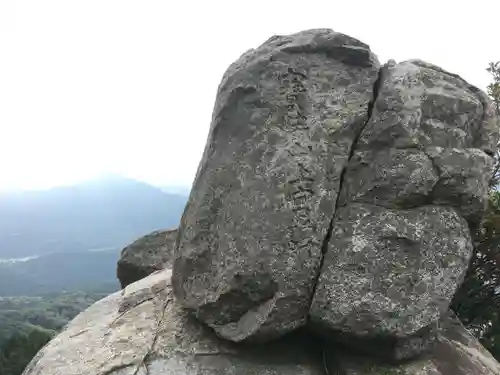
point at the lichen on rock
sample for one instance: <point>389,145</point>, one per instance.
<point>147,254</point>
<point>416,183</point>
<point>251,237</point>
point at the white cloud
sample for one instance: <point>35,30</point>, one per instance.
<point>128,86</point>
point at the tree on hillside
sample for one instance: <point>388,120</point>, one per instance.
<point>494,93</point>
<point>477,303</point>
<point>18,350</point>
<point>494,87</point>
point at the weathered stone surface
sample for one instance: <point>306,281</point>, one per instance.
<point>251,237</point>
<point>429,140</point>
<point>388,274</point>
<point>146,255</point>
<point>456,352</point>
<point>389,177</point>
<point>400,243</point>
<point>143,331</point>
<point>464,177</point>
<point>420,105</point>
<point>416,182</point>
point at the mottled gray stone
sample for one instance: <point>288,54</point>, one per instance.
<point>143,331</point>
<point>423,108</point>
<point>464,177</point>
<point>393,178</point>
<point>409,177</point>
<point>250,242</point>
<point>146,255</point>
<point>388,274</point>
<point>414,187</point>
<point>456,352</point>
<point>487,135</point>
<point>420,105</point>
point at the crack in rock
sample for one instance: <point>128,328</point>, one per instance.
<point>324,247</point>
<point>266,189</point>
<point>155,338</point>
<point>113,369</point>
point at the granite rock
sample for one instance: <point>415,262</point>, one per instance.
<point>146,255</point>
<point>414,188</point>
<point>141,330</point>
<point>455,352</point>
<point>389,274</point>
<point>251,237</point>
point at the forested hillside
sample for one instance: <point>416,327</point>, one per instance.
<point>27,323</point>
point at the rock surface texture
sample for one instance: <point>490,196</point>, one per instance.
<point>337,192</point>
<point>146,255</point>
<point>142,330</point>
<point>330,221</point>
<point>455,352</point>
<point>416,182</point>
<point>286,118</point>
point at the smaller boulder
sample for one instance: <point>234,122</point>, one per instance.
<point>146,255</point>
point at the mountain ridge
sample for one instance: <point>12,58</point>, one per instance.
<point>107,212</point>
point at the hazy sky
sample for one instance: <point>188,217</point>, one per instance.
<point>128,86</point>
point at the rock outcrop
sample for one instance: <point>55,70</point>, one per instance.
<point>285,120</point>
<point>417,181</point>
<point>330,221</point>
<point>142,330</point>
<point>146,255</point>
<point>336,192</point>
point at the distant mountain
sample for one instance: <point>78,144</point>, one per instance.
<point>105,213</point>
<point>61,272</point>
<point>179,190</point>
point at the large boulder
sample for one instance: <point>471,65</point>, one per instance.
<point>414,188</point>
<point>142,330</point>
<point>146,255</point>
<point>334,191</point>
<point>250,241</point>
<point>330,192</point>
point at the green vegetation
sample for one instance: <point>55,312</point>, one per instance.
<point>477,303</point>
<point>52,312</point>
<point>494,87</point>
<point>18,351</point>
<point>494,93</point>
<point>28,323</point>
